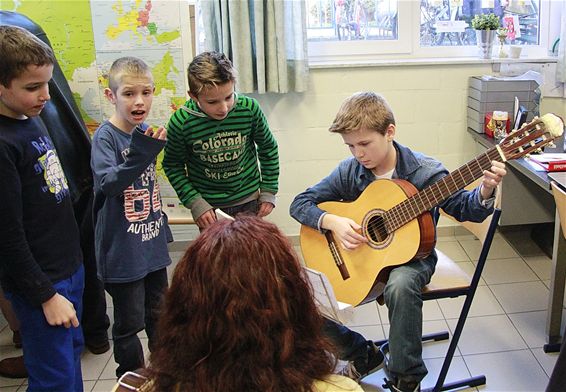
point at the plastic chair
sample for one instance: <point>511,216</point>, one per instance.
<point>450,281</point>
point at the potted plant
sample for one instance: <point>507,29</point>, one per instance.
<point>486,26</point>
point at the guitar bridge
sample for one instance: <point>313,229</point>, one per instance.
<point>338,260</point>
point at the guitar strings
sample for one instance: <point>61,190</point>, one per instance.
<point>399,215</point>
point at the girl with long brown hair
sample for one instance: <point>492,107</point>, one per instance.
<point>240,316</point>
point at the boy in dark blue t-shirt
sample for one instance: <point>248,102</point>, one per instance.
<point>40,257</point>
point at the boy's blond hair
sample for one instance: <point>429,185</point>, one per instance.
<point>130,66</point>
<point>209,69</point>
<point>365,110</point>
<point>18,50</point>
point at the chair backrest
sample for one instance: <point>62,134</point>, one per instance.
<point>560,200</point>
<point>478,229</point>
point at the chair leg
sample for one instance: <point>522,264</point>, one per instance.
<point>473,381</point>
<point>444,335</point>
<point>449,386</point>
<point>551,347</point>
<point>440,384</point>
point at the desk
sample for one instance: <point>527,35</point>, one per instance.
<point>532,186</point>
<point>535,192</point>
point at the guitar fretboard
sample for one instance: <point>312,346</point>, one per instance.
<point>436,193</point>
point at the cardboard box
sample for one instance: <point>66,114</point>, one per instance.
<point>501,96</point>
<point>488,83</point>
<point>475,125</point>
<point>486,107</point>
<point>475,115</point>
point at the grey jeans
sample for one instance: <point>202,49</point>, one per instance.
<point>404,302</point>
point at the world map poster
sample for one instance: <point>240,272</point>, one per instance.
<point>88,35</point>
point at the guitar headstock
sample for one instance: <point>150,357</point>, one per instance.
<point>532,136</point>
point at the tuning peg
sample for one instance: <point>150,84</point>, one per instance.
<point>551,145</point>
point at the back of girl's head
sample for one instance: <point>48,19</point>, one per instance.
<point>366,110</point>
<point>240,315</point>
<point>126,66</point>
<point>209,69</point>
<point>18,50</point>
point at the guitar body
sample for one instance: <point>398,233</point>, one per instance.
<point>369,264</point>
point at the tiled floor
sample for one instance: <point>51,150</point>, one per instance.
<point>504,332</point>
<point>503,337</point>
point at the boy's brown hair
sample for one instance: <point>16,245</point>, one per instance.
<point>131,66</point>
<point>18,50</point>
<point>209,69</point>
<point>366,110</point>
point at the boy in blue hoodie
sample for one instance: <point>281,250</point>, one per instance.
<point>131,231</point>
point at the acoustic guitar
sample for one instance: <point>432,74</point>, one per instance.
<point>396,220</point>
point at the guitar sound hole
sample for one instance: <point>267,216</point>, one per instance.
<point>376,229</point>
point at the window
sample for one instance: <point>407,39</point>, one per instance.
<point>347,20</point>
<point>369,29</point>
<point>357,28</point>
<point>448,22</point>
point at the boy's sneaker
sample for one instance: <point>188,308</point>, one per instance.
<point>13,367</point>
<point>358,371</point>
<point>406,386</point>
<point>17,339</point>
<point>98,347</point>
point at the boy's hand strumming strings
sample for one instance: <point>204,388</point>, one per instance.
<point>265,209</point>
<point>160,133</point>
<point>58,310</point>
<point>345,229</point>
<point>492,178</point>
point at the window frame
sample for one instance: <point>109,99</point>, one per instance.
<point>408,44</point>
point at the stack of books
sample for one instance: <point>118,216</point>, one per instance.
<point>550,162</point>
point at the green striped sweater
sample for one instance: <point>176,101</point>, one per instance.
<point>220,161</point>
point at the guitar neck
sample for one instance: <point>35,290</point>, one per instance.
<point>436,193</point>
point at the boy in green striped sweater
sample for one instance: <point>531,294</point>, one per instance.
<point>220,152</point>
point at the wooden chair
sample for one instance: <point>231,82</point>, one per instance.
<point>449,281</point>
<point>560,200</point>
<point>558,376</point>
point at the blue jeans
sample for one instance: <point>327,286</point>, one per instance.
<point>52,354</point>
<point>350,345</point>
<point>135,308</point>
<point>403,299</point>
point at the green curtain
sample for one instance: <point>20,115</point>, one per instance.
<point>561,65</point>
<point>265,39</point>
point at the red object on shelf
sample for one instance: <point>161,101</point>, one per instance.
<point>550,162</point>
<point>554,165</point>
<point>487,128</point>
<point>490,124</point>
